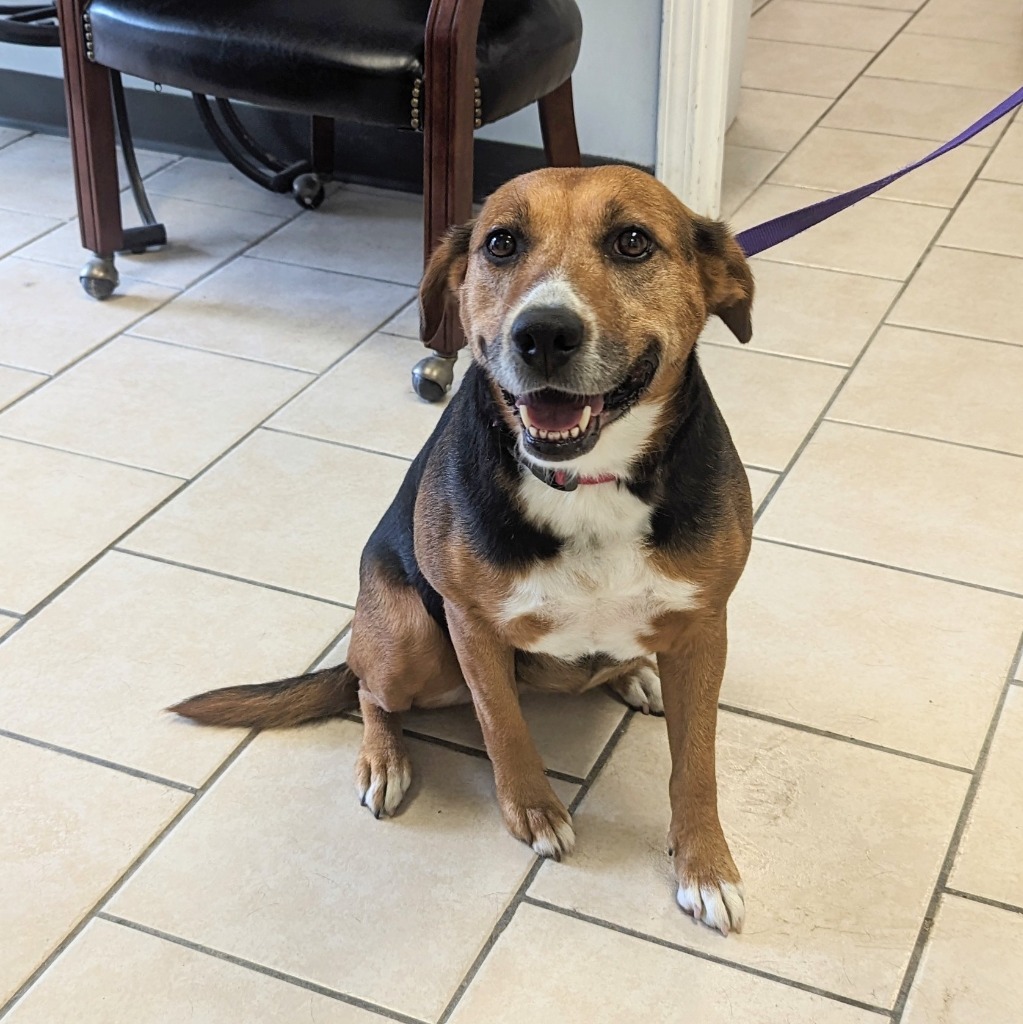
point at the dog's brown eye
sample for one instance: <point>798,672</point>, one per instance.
<point>632,243</point>
<point>501,244</point>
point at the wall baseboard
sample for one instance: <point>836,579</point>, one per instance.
<point>167,122</point>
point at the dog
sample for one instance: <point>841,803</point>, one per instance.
<point>578,517</point>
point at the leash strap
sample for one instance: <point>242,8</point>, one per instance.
<point>788,225</point>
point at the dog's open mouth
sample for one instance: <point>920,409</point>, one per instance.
<point>558,425</point>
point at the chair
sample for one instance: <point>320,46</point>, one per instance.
<point>439,67</point>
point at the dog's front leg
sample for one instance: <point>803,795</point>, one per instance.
<point>531,808</point>
<point>709,886</point>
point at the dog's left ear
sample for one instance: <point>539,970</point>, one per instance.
<point>727,278</point>
<point>442,278</point>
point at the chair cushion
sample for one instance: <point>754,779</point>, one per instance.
<point>351,59</point>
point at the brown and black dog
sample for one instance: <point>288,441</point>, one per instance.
<point>578,517</point>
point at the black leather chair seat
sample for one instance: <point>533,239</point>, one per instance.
<point>349,59</point>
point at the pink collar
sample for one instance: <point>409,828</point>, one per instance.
<point>564,480</point>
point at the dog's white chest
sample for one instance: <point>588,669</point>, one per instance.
<point>601,593</point>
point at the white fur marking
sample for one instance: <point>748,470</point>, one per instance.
<point>721,906</point>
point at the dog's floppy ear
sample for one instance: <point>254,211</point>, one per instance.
<point>444,273</point>
<point>727,278</point>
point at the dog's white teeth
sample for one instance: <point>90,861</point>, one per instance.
<point>543,434</point>
<point>584,420</point>
<point>533,432</point>
<point>526,421</point>
<point>574,432</point>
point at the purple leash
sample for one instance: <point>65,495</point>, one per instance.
<point>773,232</point>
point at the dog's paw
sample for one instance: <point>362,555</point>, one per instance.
<point>547,828</point>
<point>382,781</point>
<point>640,689</point>
<point>720,905</point>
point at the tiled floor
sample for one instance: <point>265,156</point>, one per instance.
<point>188,472</point>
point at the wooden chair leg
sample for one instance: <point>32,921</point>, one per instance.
<point>92,131</point>
<point>557,126</point>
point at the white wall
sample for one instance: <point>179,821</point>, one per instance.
<point>615,82</point>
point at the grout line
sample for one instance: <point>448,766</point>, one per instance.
<point>841,737</point>
<point>701,955</point>
<point>329,270</point>
<point>933,143</point>
<point>759,468</point>
<point>1012,908</point>
<point>133,335</point>
<point>953,846</point>
<point>923,437</point>
<point>730,346</point>
<point>823,46</point>
<point>330,646</point>
<point>290,979</point>
<point>102,762</point>
<point>767,258</point>
<point>230,576</point>
<point>94,458</point>
<point>520,893</point>
<point>887,565</point>
<point>119,884</point>
<point>337,444</point>
<point>12,614</point>
<point>822,415</point>
<point>951,334</point>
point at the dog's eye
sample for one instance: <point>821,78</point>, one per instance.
<point>501,244</point>
<point>633,244</point>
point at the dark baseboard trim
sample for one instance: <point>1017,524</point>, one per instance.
<point>365,155</point>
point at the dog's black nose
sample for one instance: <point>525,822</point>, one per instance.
<point>546,337</point>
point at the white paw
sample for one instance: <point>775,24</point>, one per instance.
<point>721,906</point>
<point>641,689</point>
<point>553,839</point>
<point>382,786</point>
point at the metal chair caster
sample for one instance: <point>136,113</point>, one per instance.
<point>308,191</point>
<point>99,277</point>
<point>433,376</point>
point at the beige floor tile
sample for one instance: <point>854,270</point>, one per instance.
<point>405,323</point>
<point>1006,163</point>
<point>970,967</point>
<point>811,313</point>
<point>9,135</point>
<point>989,219</point>
<point>905,501</point>
<point>796,21</point>
<point>937,385</point>
<point>217,182</point>
<point>57,511</point>
<point>367,400</point>
<point>73,323</point>
<point>151,405</point>
<point>18,229</point>
<point>800,68</point>
<point>7,622</point>
<point>744,170</point>
<point>74,828</point>
<point>877,237</point>
<point>116,975</point>
<point>920,110</point>
<point>289,511</point>
<point>839,847</point>
<point>604,975</point>
<point>292,316</point>
<point>991,851</point>
<point>374,234</point>
<point>970,293</point>
<point>994,20</point>
<point>773,120</point>
<point>14,383</point>
<point>38,178</point>
<point>838,160</point>
<point>769,403</point>
<point>286,869</point>
<point>140,635</point>
<point>201,236</point>
<point>760,482</point>
<point>867,652</point>
<point>969,62</point>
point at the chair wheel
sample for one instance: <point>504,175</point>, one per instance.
<point>433,376</point>
<point>99,277</point>
<point>308,191</point>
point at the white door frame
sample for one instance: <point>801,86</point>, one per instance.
<point>696,57</point>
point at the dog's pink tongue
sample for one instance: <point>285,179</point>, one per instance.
<point>548,411</point>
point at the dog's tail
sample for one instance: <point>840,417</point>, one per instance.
<point>287,702</point>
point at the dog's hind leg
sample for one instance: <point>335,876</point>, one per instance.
<point>383,772</point>
<point>640,688</point>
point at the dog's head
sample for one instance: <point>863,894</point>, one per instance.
<point>582,294</point>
